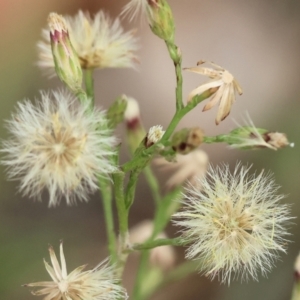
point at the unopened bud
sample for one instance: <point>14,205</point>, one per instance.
<point>297,268</point>
<point>161,20</point>
<point>186,140</point>
<point>67,64</point>
<point>135,129</point>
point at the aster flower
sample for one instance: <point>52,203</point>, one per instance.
<point>189,167</point>
<point>96,284</point>
<point>99,43</point>
<point>226,86</point>
<point>236,224</point>
<point>60,145</point>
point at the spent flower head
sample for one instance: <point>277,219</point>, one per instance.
<point>99,42</point>
<point>251,137</point>
<point>96,284</point>
<point>58,144</point>
<point>225,84</point>
<point>235,224</point>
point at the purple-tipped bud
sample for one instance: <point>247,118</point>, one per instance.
<point>67,64</point>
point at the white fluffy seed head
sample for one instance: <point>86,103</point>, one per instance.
<point>60,145</point>
<point>235,224</point>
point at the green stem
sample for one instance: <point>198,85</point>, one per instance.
<point>157,243</point>
<point>153,184</point>
<point>106,193</point>
<point>89,85</point>
<point>118,179</point>
<point>131,187</point>
<point>137,291</point>
<point>175,55</point>
<point>215,139</point>
<point>179,114</point>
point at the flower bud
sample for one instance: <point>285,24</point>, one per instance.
<point>135,128</point>
<point>297,268</point>
<point>161,20</point>
<point>186,140</point>
<point>67,64</point>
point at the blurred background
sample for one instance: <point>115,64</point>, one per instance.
<point>258,41</point>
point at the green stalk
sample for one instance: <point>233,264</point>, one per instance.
<point>157,243</point>
<point>179,114</point>
<point>118,179</point>
<point>215,139</point>
<point>89,85</point>
<point>137,291</point>
<point>153,184</point>
<point>106,192</point>
<point>131,187</point>
<point>175,55</point>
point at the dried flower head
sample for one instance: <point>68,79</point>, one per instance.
<point>251,137</point>
<point>226,86</point>
<point>163,257</point>
<point>189,167</point>
<point>236,224</point>
<point>96,284</point>
<point>60,145</point>
<point>99,43</point>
